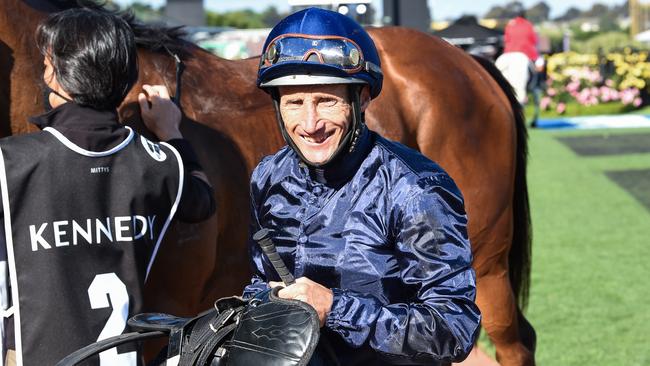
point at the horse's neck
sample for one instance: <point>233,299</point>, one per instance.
<point>20,63</point>
<point>18,22</point>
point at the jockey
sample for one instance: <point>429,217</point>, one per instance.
<point>86,201</point>
<point>374,232</point>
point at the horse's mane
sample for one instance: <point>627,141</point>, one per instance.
<point>157,38</point>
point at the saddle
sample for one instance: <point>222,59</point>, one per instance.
<point>265,330</point>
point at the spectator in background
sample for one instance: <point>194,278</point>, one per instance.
<point>520,59</point>
<point>520,36</point>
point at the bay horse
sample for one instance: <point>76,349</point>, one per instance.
<point>458,111</point>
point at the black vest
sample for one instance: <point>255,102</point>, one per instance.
<point>82,231</point>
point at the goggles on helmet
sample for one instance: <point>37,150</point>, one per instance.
<point>335,51</point>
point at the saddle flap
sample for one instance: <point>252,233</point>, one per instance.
<point>279,332</point>
<point>157,321</point>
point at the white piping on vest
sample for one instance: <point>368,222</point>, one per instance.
<point>12,263</point>
<point>93,154</point>
<point>172,212</point>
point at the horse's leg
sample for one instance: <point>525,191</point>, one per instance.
<point>496,300</point>
<point>500,319</point>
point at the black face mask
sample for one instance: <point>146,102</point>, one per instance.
<point>46,98</point>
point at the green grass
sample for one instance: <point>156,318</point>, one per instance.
<point>642,110</point>
<point>590,296</point>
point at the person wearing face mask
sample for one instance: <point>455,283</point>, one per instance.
<point>86,201</point>
<point>374,232</point>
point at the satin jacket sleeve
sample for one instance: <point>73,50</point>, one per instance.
<point>433,251</point>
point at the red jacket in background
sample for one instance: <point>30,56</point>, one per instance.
<point>520,36</point>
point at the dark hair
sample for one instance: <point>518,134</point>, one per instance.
<point>93,54</point>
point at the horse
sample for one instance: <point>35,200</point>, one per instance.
<point>457,110</point>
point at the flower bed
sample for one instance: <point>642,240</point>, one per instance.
<point>589,80</point>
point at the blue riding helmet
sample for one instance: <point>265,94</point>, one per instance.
<point>316,46</point>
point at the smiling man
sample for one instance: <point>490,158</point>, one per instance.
<point>375,232</point>
<point>316,117</point>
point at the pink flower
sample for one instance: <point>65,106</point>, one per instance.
<point>582,99</point>
<point>605,97</point>
<point>573,86</point>
<point>637,102</point>
<point>628,95</point>
<point>609,82</point>
<point>545,103</point>
<point>551,92</point>
<point>594,77</point>
<point>561,108</point>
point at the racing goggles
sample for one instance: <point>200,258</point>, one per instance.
<point>335,51</point>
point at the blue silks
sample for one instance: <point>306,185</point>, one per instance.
<point>385,228</point>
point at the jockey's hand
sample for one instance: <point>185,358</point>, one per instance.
<point>314,294</point>
<point>159,114</point>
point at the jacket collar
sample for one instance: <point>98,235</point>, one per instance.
<point>72,115</point>
<point>88,128</point>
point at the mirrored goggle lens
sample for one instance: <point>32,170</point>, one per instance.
<point>336,52</point>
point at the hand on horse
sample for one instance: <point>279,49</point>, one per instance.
<point>314,294</point>
<point>159,114</point>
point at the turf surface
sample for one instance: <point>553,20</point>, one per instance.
<point>590,296</point>
<point>607,144</point>
<point>637,182</point>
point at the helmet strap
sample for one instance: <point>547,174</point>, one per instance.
<point>349,141</point>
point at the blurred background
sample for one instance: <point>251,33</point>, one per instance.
<point>599,45</point>
<point>589,167</point>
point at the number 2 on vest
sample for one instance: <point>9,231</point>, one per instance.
<point>107,286</point>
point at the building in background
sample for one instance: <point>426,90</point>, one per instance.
<point>360,10</point>
<point>408,13</point>
<point>185,12</point>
